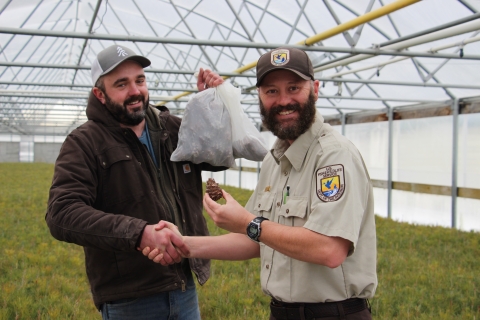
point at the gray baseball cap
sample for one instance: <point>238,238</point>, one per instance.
<point>109,58</point>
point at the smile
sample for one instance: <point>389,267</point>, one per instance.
<point>284,113</point>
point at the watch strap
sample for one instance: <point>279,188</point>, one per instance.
<point>254,229</point>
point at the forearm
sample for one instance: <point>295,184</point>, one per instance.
<point>232,246</point>
<point>305,245</point>
<point>85,226</point>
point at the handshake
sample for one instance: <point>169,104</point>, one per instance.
<point>163,243</point>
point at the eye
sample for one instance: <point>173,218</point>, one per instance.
<point>294,88</point>
<point>271,91</point>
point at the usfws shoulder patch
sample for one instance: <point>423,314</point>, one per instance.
<point>330,182</point>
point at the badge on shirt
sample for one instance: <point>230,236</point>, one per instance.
<point>186,168</point>
<point>330,182</point>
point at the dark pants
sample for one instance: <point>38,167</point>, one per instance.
<point>350,309</point>
<point>362,315</point>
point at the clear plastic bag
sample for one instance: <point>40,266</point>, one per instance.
<point>216,130</point>
<point>246,139</point>
<point>205,133</point>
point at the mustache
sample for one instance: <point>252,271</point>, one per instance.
<point>139,97</point>
<point>288,107</point>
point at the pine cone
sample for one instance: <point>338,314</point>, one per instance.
<point>213,190</point>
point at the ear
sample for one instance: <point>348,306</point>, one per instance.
<point>99,94</point>
<point>316,88</point>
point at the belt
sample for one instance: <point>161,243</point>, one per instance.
<point>299,311</point>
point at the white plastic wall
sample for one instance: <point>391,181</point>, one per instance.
<point>422,153</point>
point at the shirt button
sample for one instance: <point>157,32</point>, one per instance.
<point>127,156</point>
<point>278,204</point>
<point>267,266</point>
<point>285,173</point>
<point>259,205</point>
<point>165,134</point>
<point>288,210</point>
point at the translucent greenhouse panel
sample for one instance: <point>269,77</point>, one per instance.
<point>468,214</point>
<point>9,151</point>
<point>469,151</point>
<point>26,148</point>
<point>371,139</point>
<point>46,152</point>
<point>422,151</point>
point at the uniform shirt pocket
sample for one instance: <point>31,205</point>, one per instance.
<point>294,211</point>
<point>263,204</point>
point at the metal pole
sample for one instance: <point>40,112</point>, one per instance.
<point>258,171</point>
<point>390,161</point>
<point>455,112</point>
<point>240,173</point>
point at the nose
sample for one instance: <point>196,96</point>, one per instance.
<point>133,89</point>
<point>284,98</point>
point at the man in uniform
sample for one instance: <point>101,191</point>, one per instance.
<point>311,215</point>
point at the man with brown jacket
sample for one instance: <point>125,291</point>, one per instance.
<point>114,179</point>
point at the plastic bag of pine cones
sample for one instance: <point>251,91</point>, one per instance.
<point>205,133</point>
<point>216,130</point>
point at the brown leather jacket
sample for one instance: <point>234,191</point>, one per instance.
<point>106,189</point>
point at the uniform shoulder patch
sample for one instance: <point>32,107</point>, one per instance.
<point>330,182</point>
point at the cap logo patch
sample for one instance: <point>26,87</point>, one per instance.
<point>330,182</point>
<point>280,57</point>
<point>121,52</point>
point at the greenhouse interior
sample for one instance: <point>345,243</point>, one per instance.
<point>399,78</point>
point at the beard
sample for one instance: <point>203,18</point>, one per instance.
<point>121,113</point>
<point>284,131</point>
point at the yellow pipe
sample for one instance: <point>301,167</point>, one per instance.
<point>367,17</point>
<point>239,71</point>
<point>380,12</point>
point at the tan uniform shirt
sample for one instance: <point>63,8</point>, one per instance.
<point>330,193</point>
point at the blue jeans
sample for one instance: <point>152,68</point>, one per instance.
<point>170,305</point>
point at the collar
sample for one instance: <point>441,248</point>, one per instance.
<point>296,152</point>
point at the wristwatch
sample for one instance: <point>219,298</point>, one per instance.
<point>254,229</point>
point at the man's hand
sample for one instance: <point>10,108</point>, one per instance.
<point>166,241</point>
<point>230,216</point>
<point>208,79</point>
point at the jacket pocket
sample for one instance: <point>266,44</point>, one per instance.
<point>114,155</point>
<point>189,175</point>
<point>120,178</point>
<point>294,211</point>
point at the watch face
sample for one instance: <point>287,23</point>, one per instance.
<point>253,230</point>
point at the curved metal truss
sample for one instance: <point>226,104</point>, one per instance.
<point>371,55</point>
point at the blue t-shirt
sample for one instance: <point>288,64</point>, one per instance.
<point>145,139</point>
